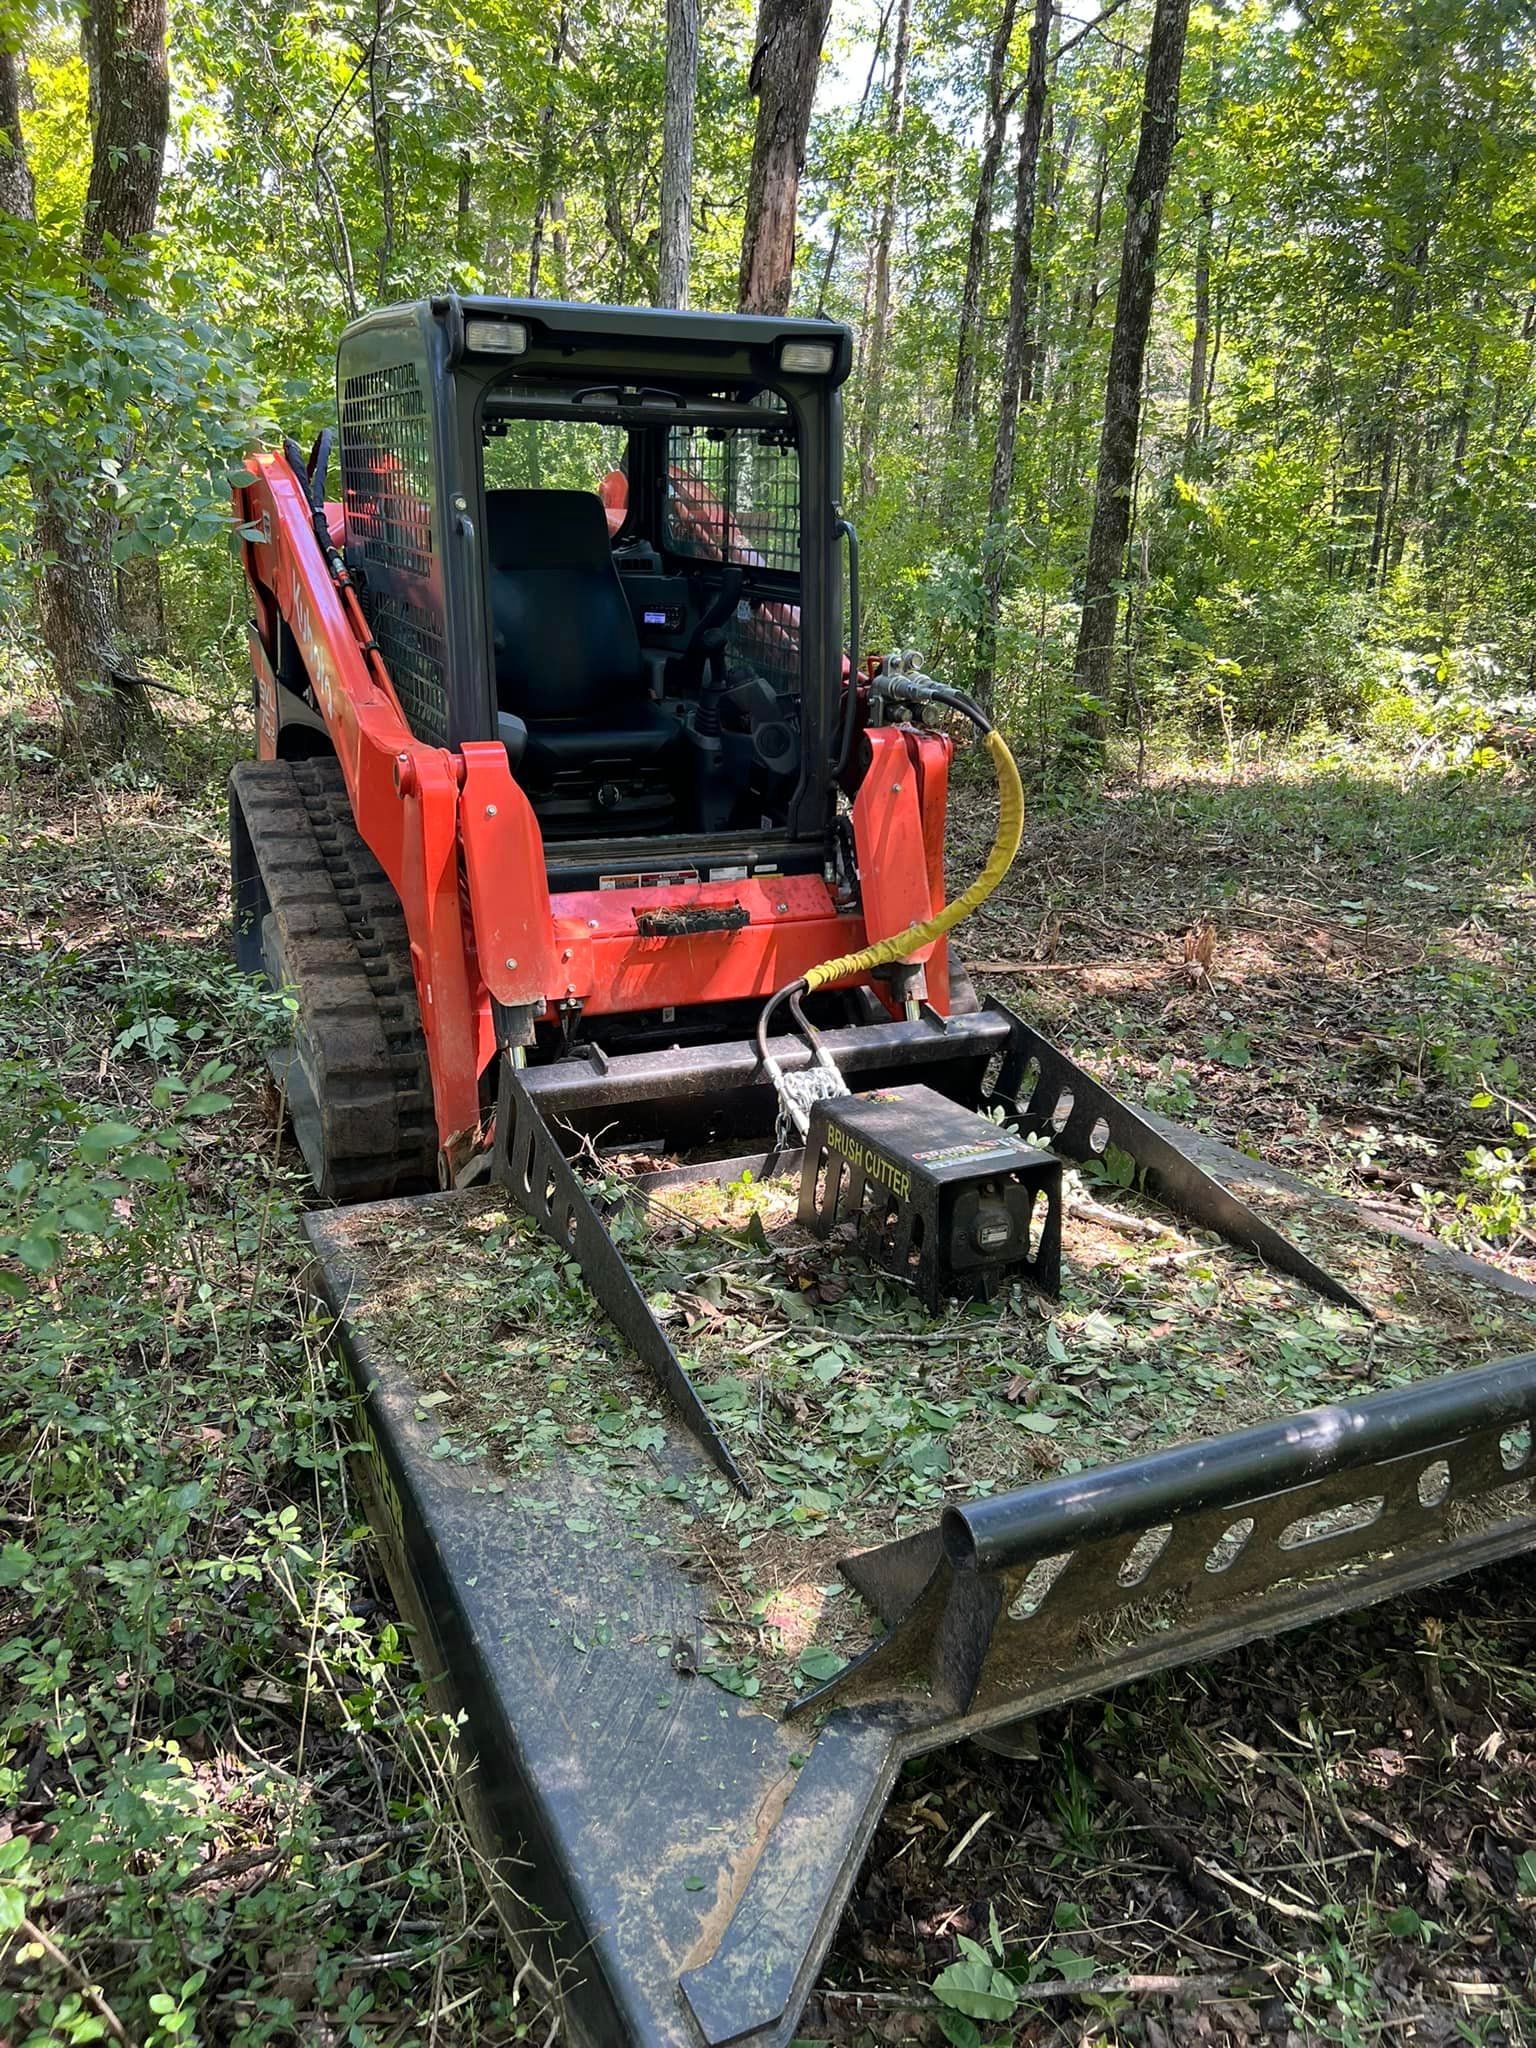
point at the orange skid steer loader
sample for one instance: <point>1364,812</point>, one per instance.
<point>580,824</point>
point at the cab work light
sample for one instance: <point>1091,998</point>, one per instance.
<point>813,358</point>
<point>496,337</point>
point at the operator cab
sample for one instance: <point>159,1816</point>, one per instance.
<point>642,554</point>
<point>608,537</point>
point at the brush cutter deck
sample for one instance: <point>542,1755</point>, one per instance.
<point>682,1856</point>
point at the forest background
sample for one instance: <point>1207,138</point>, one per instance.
<point>1193,401</point>
<point>1323,457</point>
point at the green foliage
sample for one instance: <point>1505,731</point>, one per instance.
<point>1496,1202</point>
<point>1232,1048</point>
<point>91,1186</point>
<point>977,1987</point>
<point>123,409</point>
<point>1340,527</point>
<point>1337,513</point>
<point>166,1426</point>
<point>229,1789</point>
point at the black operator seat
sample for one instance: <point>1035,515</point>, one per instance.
<point>567,654</point>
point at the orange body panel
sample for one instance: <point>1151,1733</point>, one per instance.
<point>514,938</point>
<point>930,754</point>
<point>460,843</point>
<point>888,835</point>
<point>613,969</point>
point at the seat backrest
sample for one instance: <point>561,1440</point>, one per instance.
<point>565,640</point>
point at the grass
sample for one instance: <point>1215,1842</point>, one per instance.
<point>225,1812</point>
<point>1367,1017</point>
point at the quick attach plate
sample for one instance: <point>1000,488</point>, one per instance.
<point>952,1201</point>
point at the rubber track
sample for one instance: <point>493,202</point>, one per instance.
<point>337,934</point>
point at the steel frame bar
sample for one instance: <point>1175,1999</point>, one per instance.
<point>531,1166</point>
<point>686,1073</point>
<point>1225,1530</point>
<point>1080,1118</point>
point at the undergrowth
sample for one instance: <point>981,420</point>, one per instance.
<point>225,1813</point>
<point>225,1808</point>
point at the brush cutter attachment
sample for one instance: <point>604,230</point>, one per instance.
<point>676,1858</point>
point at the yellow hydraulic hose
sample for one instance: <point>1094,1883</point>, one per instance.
<point>1005,846</point>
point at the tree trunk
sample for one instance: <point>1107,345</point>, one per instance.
<point>78,616</point>
<point>140,600</point>
<point>783,78</point>
<point>880,265</point>
<point>461,213</point>
<point>74,591</point>
<point>1035,311</point>
<point>962,408</point>
<point>1215,359</point>
<point>835,244</point>
<point>994,547</point>
<point>16,197</point>
<point>545,193</point>
<point>676,248</point>
<point>132,120</point>
<point>1194,411</point>
<point>1083,310</point>
<point>1038,355</point>
<point>559,242</point>
<point>381,129</point>
<point>1127,351</point>
<point>1376,567</point>
<point>77,597</point>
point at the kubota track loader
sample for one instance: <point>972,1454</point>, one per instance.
<point>573,788</point>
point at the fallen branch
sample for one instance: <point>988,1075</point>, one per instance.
<point>235,1864</point>
<point>1199,1986</point>
<point>1135,1984</point>
<point>1436,1867</point>
<point>1240,1884</point>
<point>1121,1220</point>
<point>966,1839</point>
<point>93,1994</point>
<point>1067,966</point>
<point>1178,1853</point>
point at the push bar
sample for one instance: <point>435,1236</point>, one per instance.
<point>1012,1529</point>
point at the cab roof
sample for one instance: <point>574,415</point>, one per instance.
<point>557,327</point>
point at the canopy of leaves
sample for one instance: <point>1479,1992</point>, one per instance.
<point>1337,461</point>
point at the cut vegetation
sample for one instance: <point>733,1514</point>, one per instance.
<point>853,1415</point>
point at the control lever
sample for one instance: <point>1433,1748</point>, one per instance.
<point>704,733</point>
<point>708,649</point>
